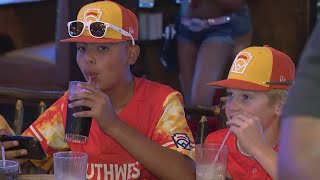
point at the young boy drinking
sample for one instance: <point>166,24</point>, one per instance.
<point>138,128</point>
<point>257,87</point>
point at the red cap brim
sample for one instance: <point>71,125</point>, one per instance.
<point>239,84</point>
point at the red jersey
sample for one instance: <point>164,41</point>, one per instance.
<point>154,110</point>
<point>240,167</point>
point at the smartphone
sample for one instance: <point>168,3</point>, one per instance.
<point>31,144</point>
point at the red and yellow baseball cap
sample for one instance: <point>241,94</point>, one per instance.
<point>103,22</point>
<point>259,69</point>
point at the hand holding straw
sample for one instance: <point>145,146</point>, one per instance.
<point>222,144</point>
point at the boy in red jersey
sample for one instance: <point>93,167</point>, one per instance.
<point>139,130</point>
<point>257,86</point>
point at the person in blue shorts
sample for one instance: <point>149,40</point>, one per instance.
<point>210,34</point>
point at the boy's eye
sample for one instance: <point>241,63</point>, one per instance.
<point>80,48</point>
<point>229,94</point>
<point>103,48</point>
<point>246,97</point>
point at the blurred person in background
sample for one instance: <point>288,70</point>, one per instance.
<point>210,34</point>
<point>299,155</point>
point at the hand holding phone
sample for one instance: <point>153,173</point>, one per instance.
<point>31,144</point>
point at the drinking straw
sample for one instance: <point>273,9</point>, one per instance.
<point>222,144</point>
<point>3,156</point>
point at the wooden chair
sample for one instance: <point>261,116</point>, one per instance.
<point>216,111</point>
<point>21,97</point>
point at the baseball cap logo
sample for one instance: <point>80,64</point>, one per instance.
<point>92,15</point>
<point>241,62</point>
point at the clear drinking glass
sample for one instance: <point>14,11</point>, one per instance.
<point>70,165</point>
<point>77,128</point>
<point>211,162</point>
<point>9,170</point>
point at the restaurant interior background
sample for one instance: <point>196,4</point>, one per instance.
<point>31,56</point>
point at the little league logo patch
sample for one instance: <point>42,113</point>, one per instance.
<point>241,62</point>
<point>181,140</point>
<point>92,15</point>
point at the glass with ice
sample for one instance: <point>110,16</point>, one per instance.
<point>9,169</point>
<point>210,167</point>
<point>70,165</point>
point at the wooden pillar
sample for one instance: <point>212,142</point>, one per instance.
<point>284,25</point>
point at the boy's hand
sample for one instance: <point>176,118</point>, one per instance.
<point>248,130</point>
<point>8,144</point>
<point>101,107</point>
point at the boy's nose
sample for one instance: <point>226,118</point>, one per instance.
<point>91,61</point>
<point>233,105</point>
<point>89,58</point>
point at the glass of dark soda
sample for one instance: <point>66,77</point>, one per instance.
<point>77,128</point>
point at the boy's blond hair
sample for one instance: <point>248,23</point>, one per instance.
<point>275,95</point>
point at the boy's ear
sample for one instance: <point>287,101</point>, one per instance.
<point>280,106</point>
<point>133,54</point>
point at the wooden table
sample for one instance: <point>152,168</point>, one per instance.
<point>35,177</point>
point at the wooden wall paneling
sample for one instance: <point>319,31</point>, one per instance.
<point>281,24</point>
<point>28,23</point>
